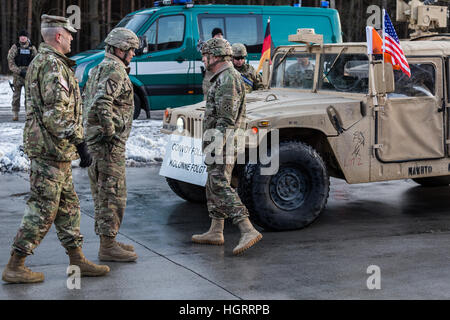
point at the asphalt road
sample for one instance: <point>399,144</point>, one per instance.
<point>398,227</point>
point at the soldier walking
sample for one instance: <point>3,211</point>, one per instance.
<point>251,78</point>
<point>53,137</point>
<point>225,110</point>
<point>108,115</point>
<point>19,58</point>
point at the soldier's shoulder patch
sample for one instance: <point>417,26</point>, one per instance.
<point>111,86</point>
<point>63,82</point>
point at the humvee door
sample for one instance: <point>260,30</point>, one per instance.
<point>411,125</point>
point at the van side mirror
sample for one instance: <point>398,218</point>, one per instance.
<point>384,82</point>
<point>143,46</point>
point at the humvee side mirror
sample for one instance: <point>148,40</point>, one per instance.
<point>143,46</point>
<point>384,81</point>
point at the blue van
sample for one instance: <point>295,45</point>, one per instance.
<point>169,72</point>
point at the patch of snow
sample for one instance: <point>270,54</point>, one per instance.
<point>145,146</point>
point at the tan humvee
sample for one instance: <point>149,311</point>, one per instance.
<point>348,116</point>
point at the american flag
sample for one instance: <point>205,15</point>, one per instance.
<point>392,45</point>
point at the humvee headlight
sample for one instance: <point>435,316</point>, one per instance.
<point>180,124</point>
<point>167,115</point>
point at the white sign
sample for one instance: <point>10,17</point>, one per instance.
<point>184,160</point>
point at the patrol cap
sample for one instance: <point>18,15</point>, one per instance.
<point>48,21</point>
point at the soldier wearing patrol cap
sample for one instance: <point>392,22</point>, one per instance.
<point>251,78</point>
<point>108,115</point>
<point>53,137</point>
<point>225,110</point>
<point>19,58</point>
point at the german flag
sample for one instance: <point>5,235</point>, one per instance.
<point>267,47</point>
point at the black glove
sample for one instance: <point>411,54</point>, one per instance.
<point>23,73</point>
<point>86,158</point>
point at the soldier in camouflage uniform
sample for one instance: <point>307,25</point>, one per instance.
<point>251,78</point>
<point>53,137</point>
<point>225,110</point>
<point>108,108</point>
<point>19,58</point>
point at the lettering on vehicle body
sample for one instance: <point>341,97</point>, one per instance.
<point>417,170</point>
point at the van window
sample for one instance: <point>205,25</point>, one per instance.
<point>246,29</point>
<point>166,33</point>
<point>134,23</point>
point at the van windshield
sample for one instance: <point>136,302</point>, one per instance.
<point>134,23</point>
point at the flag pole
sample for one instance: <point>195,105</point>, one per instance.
<point>384,40</point>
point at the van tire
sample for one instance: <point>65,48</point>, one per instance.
<point>442,181</point>
<point>137,106</point>
<point>187,191</point>
<point>272,202</point>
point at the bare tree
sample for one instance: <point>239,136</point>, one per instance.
<point>94,17</point>
<point>30,15</point>
<point>4,49</point>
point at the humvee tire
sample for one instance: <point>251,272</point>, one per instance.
<point>293,197</point>
<point>443,181</point>
<point>187,191</point>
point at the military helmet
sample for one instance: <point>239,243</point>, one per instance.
<point>217,47</point>
<point>122,38</point>
<point>239,50</point>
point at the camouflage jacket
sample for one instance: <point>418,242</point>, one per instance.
<point>53,104</point>
<point>108,103</point>
<point>13,52</point>
<point>225,103</point>
<point>251,78</point>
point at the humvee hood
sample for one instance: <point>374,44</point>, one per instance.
<point>281,104</point>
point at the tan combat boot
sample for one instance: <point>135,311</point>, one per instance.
<point>110,250</point>
<point>124,246</point>
<point>16,272</point>
<point>249,236</point>
<point>87,268</point>
<point>214,234</point>
<point>15,116</point>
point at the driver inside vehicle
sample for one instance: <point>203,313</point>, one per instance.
<point>300,74</point>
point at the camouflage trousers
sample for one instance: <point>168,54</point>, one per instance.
<point>108,188</point>
<point>18,83</point>
<point>222,200</point>
<point>52,200</point>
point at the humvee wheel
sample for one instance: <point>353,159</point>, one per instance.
<point>433,181</point>
<point>187,191</point>
<point>293,197</point>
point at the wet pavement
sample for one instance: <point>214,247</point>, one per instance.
<point>397,226</point>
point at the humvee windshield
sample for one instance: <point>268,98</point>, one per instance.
<point>340,72</point>
<point>344,73</point>
<point>294,71</point>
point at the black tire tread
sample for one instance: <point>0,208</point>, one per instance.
<point>252,199</point>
